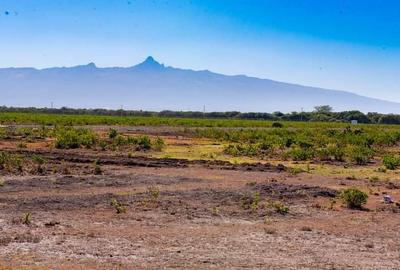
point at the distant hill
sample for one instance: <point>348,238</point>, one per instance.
<point>153,86</point>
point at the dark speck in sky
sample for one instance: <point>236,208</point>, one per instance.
<point>7,13</point>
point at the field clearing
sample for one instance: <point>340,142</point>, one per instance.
<point>154,193</point>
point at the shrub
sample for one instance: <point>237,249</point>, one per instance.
<point>323,154</point>
<point>391,162</point>
<point>103,144</point>
<point>120,140</point>
<point>281,208</point>
<point>143,143</point>
<point>298,153</point>
<point>336,152</point>
<point>354,198</point>
<point>158,144</point>
<point>112,133</point>
<point>360,155</point>
<point>69,138</point>
<point>10,162</point>
<point>277,125</point>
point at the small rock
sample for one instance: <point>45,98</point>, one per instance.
<point>388,199</point>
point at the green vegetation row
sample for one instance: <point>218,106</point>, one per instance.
<point>82,120</point>
<point>320,114</point>
<point>13,118</point>
<point>72,138</point>
<point>356,145</point>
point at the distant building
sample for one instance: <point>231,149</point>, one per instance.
<point>354,122</point>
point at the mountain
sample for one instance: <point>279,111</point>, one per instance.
<point>153,86</point>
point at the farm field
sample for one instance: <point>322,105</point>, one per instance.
<point>94,192</point>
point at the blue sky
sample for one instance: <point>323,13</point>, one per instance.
<point>339,44</point>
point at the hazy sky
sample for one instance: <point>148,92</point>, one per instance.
<point>340,44</point>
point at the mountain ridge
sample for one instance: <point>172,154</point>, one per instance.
<point>180,89</point>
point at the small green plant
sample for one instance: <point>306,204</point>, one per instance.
<point>154,192</point>
<point>354,198</point>
<point>113,133</point>
<point>97,170</point>
<point>250,201</point>
<point>118,206</point>
<point>39,163</point>
<point>281,208</point>
<point>103,144</point>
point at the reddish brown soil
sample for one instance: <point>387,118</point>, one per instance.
<point>202,218</point>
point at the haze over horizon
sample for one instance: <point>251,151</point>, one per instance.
<point>334,44</point>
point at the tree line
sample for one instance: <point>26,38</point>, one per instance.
<point>320,114</point>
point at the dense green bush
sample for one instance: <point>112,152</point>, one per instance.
<point>277,125</point>
<point>354,198</point>
<point>70,138</point>
<point>360,155</point>
<point>391,162</point>
<point>143,143</point>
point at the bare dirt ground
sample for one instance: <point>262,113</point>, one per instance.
<point>183,214</point>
